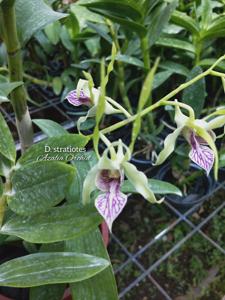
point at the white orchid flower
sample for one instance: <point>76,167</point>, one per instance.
<point>84,96</point>
<point>200,136</point>
<point>108,176</point>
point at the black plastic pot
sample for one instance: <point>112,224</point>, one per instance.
<point>201,188</point>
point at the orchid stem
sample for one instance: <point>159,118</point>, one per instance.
<point>15,65</point>
<point>164,100</point>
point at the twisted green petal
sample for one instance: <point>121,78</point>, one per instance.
<point>169,145</point>
<point>140,182</point>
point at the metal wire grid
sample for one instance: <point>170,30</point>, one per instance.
<point>134,258</point>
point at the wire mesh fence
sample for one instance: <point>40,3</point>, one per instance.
<point>141,258</point>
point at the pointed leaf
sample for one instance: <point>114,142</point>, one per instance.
<point>175,43</point>
<point>195,94</point>
<point>49,127</point>
<point>7,145</point>
<point>32,16</point>
<point>48,268</point>
<point>157,187</point>
<point>56,224</point>
<point>183,20</point>
<point>7,87</point>
<point>58,148</point>
<point>39,186</point>
<point>159,19</point>
<point>103,285</point>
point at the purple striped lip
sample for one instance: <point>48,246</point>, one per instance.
<point>200,153</point>
<point>77,101</point>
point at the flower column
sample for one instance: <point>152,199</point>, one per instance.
<point>18,96</point>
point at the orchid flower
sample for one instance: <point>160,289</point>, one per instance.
<point>83,95</point>
<point>200,136</point>
<point>108,176</point>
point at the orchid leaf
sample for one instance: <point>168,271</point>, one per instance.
<point>56,224</point>
<point>57,267</point>
<point>33,16</point>
<point>183,20</point>
<point>206,13</point>
<point>195,94</point>
<point>7,145</point>
<point>59,148</point>
<point>103,285</point>
<point>157,187</point>
<point>175,43</point>
<point>38,186</point>
<point>50,128</point>
<point>145,95</point>
<point>159,18</point>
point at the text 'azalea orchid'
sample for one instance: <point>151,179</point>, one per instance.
<point>83,95</point>
<point>108,176</point>
<point>200,136</point>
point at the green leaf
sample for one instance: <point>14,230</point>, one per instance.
<point>7,146</point>
<point>59,148</point>
<point>72,26</point>
<point>159,18</point>
<point>160,78</point>
<point>39,186</point>
<point>56,224</point>
<point>195,94</point>
<point>175,43</point>
<point>32,16</point>
<point>157,187</point>
<point>53,32</point>
<point>145,95</point>
<point>116,7</point>
<point>183,20</point>
<point>8,87</point>
<point>206,13</point>
<point>216,28</point>
<point>49,127</point>
<point>128,24</point>
<point>130,60</point>
<point>175,68</point>
<point>103,285</point>
<point>48,268</point>
<point>5,165</point>
<point>83,15</point>
<point>50,292</point>
<point>57,85</point>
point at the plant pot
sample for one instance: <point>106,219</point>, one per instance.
<point>200,188</point>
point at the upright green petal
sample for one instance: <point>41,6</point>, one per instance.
<point>89,184</point>
<point>169,145</point>
<point>140,182</point>
<point>180,118</point>
<point>82,85</point>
